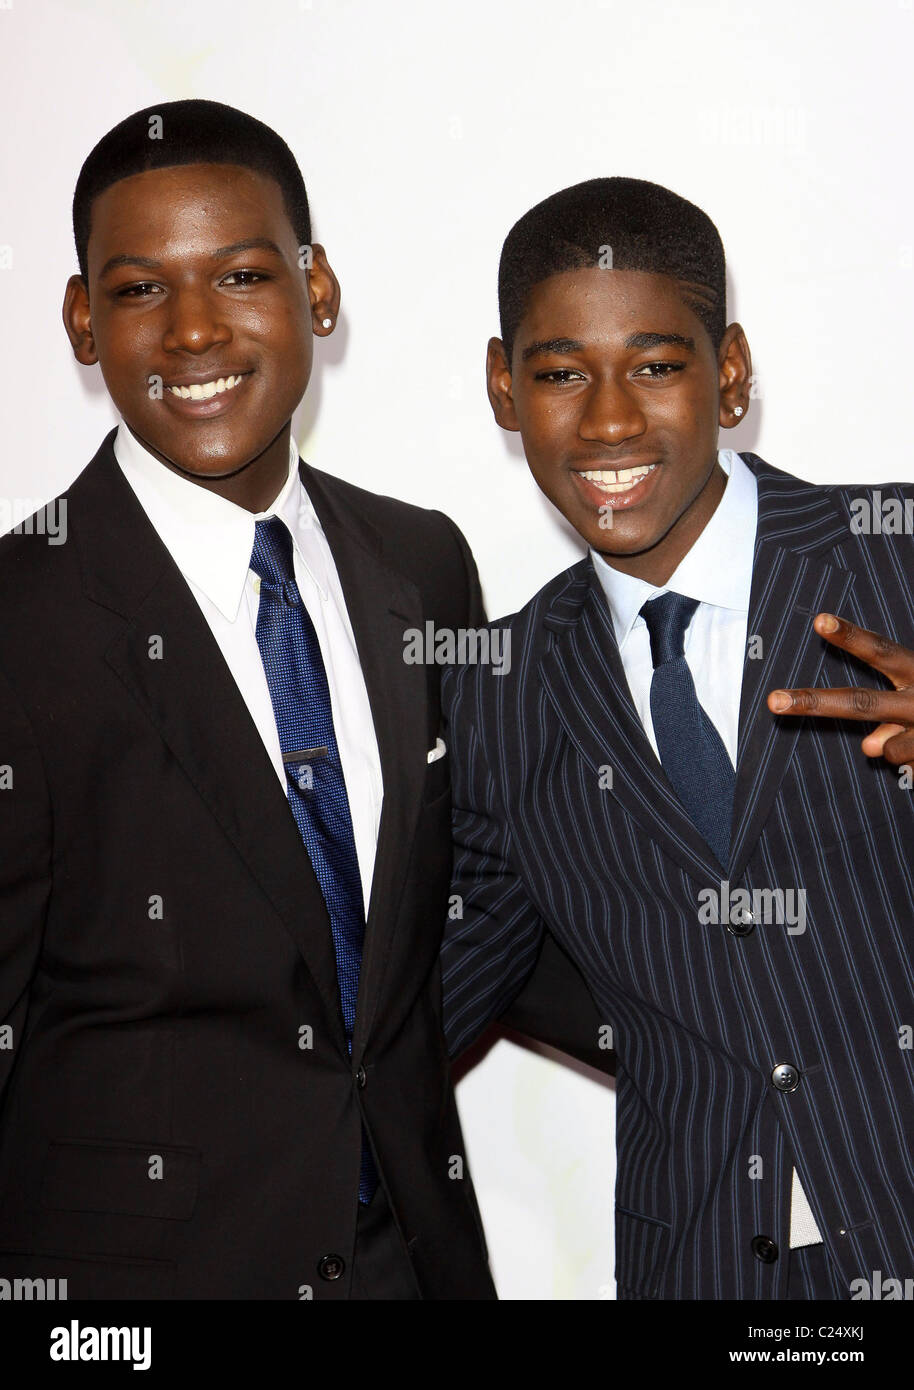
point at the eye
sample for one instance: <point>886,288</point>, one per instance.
<point>251,276</point>
<point>559,375</point>
<point>656,371</point>
<point>135,291</point>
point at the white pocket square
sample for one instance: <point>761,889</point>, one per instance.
<point>437,752</point>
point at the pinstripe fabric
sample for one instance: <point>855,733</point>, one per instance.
<point>701,1016</point>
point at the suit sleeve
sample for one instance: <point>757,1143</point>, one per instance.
<point>25,872</point>
<point>556,1007</point>
<point>498,959</point>
<point>494,936</point>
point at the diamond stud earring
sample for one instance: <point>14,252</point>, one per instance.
<point>327,323</point>
<point>737,410</point>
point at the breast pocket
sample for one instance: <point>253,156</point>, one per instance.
<point>437,779</point>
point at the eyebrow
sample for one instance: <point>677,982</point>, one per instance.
<point>633,341</point>
<point>256,243</point>
<point>652,340</point>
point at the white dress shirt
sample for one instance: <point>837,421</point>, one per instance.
<point>717,571</point>
<point>211,540</point>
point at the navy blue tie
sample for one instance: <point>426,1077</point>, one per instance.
<point>692,752</point>
<point>315,784</point>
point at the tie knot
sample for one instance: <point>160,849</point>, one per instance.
<point>271,557</point>
<point>667,618</point>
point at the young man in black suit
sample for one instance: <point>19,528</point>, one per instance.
<point>734,887</point>
<point>225,816</point>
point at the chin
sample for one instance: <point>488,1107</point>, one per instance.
<point>615,544</point>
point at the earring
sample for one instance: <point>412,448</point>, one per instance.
<point>737,410</point>
<point>327,323</point>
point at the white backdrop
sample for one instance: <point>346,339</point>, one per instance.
<point>423,132</point>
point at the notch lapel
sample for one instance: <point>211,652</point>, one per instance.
<point>192,701</point>
<point>381,604</point>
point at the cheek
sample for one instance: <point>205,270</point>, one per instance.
<point>547,425</point>
<point>122,341</point>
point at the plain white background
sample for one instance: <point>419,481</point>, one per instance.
<point>423,133</point>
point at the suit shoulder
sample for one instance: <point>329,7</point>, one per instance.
<point>424,545</point>
<point>380,510</point>
<point>34,555</point>
<point>842,493</point>
<point>525,634</point>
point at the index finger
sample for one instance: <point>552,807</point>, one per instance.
<point>877,650</point>
<point>845,702</point>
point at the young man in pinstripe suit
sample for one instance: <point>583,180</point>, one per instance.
<point>642,793</point>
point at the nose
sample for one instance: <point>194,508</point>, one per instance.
<point>612,414</point>
<point>194,323</point>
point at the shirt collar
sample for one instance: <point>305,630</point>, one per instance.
<point>718,568</point>
<point>209,538</point>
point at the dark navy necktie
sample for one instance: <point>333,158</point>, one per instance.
<point>315,784</point>
<point>692,752</point>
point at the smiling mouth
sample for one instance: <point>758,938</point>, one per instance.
<point>613,480</point>
<point>205,390</point>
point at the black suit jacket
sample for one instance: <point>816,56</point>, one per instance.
<point>180,1117</point>
<point>703,1012</point>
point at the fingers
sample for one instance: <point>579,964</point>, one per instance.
<point>846,702</point>
<point>874,745</point>
<point>876,650</point>
<point>898,748</point>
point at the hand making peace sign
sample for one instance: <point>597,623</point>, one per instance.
<point>892,710</point>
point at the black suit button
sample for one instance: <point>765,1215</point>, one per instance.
<point>741,923</point>
<point>361,1079</point>
<point>331,1267</point>
<point>785,1077</point>
<point>764,1249</point>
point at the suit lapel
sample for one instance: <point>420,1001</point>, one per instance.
<point>381,604</point>
<point>191,699</point>
<point>792,581</point>
<point>584,678</point>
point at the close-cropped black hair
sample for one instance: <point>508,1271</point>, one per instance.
<point>187,132</point>
<point>623,224</point>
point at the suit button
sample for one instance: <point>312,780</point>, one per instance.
<point>764,1249</point>
<point>361,1079</point>
<point>742,924</point>
<point>785,1077</point>
<point>331,1267</point>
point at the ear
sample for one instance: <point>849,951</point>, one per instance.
<point>498,384</point>
<point>735,364</point>
<point>323,291</point>
<point>77,320</point>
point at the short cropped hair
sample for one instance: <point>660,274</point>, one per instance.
<point>192,132</point>
<point>642,225</point>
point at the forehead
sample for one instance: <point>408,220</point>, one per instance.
<point>606,306</point>
<point>186,203</point>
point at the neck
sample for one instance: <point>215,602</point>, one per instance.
<point>254,485</point>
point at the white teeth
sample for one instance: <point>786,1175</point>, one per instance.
<point>205,390</point>
<point>617,480</point>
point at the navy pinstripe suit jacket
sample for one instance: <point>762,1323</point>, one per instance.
<point>701,1015</point>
